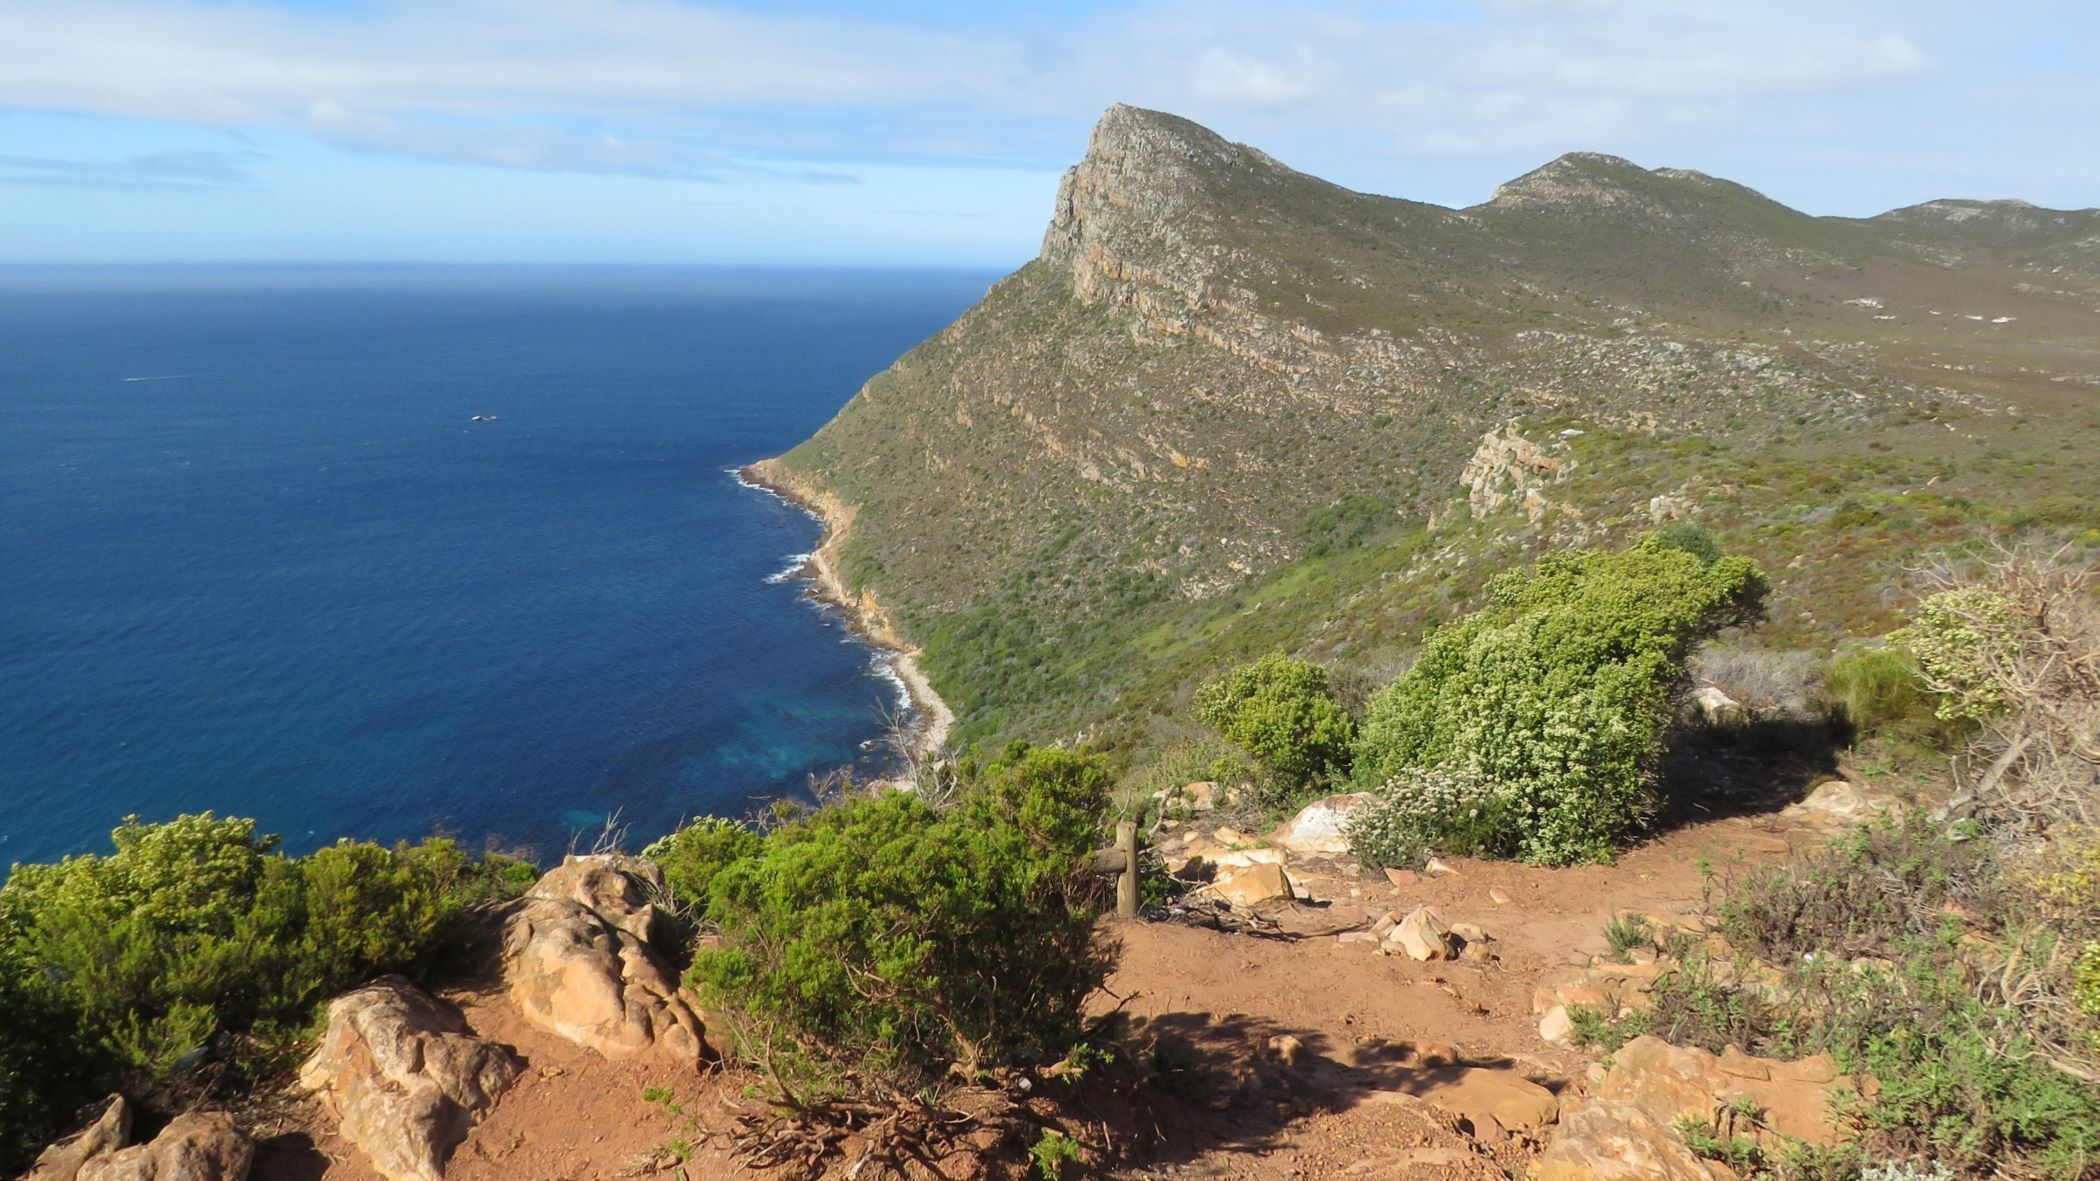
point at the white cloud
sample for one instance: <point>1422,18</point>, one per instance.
<point>506,82</point>
<point>158,172</point>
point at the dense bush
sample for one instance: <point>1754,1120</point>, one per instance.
<point>879,941</point>
<point>1558,691</point>
<point>691,857</point>
<point>128,965</point>
<point>1283,713</point>
<point>1417,813</point>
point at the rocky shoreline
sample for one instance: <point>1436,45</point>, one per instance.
<point>933,720</point>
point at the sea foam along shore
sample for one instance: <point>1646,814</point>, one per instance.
<point>934,719</point>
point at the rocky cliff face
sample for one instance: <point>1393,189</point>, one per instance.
<point>1212,349</point>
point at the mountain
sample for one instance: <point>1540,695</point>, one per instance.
<point>1231,408</point>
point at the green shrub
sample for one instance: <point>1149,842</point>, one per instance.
<point>1051,1152</point>
<point>1558,691</point>
<point>1880,884</point>
<point>126,964</point>
<point>882,938</point>
<point>691,857</point>
<point>1696,540</point>
<point>1283,713</point>
<point>1881,694</point>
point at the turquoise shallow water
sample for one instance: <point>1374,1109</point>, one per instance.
<point>257,557</point>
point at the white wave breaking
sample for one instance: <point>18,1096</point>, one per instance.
<point>797,565</point>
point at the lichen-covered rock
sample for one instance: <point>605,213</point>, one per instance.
<point>578,964</point>
<point>202,1146</point>
<point>106,1133</point>
<point>405,1077</point>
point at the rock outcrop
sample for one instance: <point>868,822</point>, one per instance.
<point>109,1131</point>
<point>405,1077</point>
<point>578,963</point>
<point>1792,1099</point>
<point>201,1146</point>
<point>1615,1141</point>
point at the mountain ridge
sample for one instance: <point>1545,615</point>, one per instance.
<point>1068,486</point>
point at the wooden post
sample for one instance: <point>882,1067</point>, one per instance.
<point>1127,884</point>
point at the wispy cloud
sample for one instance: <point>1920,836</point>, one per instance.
<point>160,171</point>
<point>464,81</point>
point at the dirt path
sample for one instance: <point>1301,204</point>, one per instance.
<point>1311,1047</point>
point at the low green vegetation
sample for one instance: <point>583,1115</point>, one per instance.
<point>1555,697</point>
<point>1921,959</point>
<point>194,947</point>
<point>883,944</point>
<point>1281,712</point>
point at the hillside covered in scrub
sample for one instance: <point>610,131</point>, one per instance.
<point>1233,408</point>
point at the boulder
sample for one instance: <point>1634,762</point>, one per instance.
<point>1677,1082</point>
<point>1482,1095</point>
<point>405,1077</point>
<point>1318,828</point>
<point>1254,885</point>
<point>1422,936</point>
<point>106,1133</point>
<point>1607,1140</point>
<point>1837,802</point>
<point>1716,708</point>
<point>201,1146</point>
<point>618,888</point>
<point>577,966</point>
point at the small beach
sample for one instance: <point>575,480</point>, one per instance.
<point>932,720</point>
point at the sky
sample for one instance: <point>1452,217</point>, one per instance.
<point>931,132</point>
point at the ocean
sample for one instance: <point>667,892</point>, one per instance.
<point>387,552</point>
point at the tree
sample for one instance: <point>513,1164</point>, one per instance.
<point>1557,693</point>
<point>1283,713</point>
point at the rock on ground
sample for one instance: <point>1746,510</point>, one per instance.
<point>405,1076</point>
<point>1422,936</point>
<point>577,960</point>
<point>108,1132</point>
<point>1479,1094</point>
<point>197,1147</point>
<point>1676,1082</point>
<point>1607,1140</point>
<point>1255,885</point>
<point>1318,828</point>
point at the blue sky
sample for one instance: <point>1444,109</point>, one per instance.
<point>929,132</point>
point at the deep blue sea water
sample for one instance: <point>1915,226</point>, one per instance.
<point>255,556</point>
